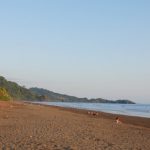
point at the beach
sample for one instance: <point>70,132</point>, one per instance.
<point>26,126</point>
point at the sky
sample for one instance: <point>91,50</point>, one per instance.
<point>84,48</point>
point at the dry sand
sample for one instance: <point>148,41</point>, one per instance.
<point>35,127</point>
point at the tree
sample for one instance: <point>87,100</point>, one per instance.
<point>4,94</point>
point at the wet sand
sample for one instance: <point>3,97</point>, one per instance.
<point>26,126</point>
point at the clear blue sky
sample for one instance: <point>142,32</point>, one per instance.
<point>85,48</point>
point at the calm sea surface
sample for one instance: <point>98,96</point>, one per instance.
<point>142,110</point>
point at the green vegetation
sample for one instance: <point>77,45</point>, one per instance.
<point>11,90</point>
<point>4,94</point>
<point>51,96</point>
<point>15,91</point>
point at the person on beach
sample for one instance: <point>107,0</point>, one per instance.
<point>118,120</point>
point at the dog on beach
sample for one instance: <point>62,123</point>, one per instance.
<point>93,113</point>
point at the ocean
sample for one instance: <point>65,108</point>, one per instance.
<point>141,110</point>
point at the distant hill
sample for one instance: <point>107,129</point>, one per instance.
<point>51,96</point>
<point>17,92</point>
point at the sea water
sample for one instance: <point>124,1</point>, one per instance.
<point>141,110</point>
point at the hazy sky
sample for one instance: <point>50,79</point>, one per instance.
<point>85,48</point>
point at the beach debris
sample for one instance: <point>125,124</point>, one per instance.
<point>93,113</point>
<point>118,121</point>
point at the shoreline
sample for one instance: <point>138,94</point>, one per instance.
<point>121,110</point>
<point>35,126</point>
<point>133,120</point>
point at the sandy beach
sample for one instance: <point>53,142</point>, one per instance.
<point>26,126</point>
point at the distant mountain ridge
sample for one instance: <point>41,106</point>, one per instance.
<point>52,96</point>
<point>18,92</point>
